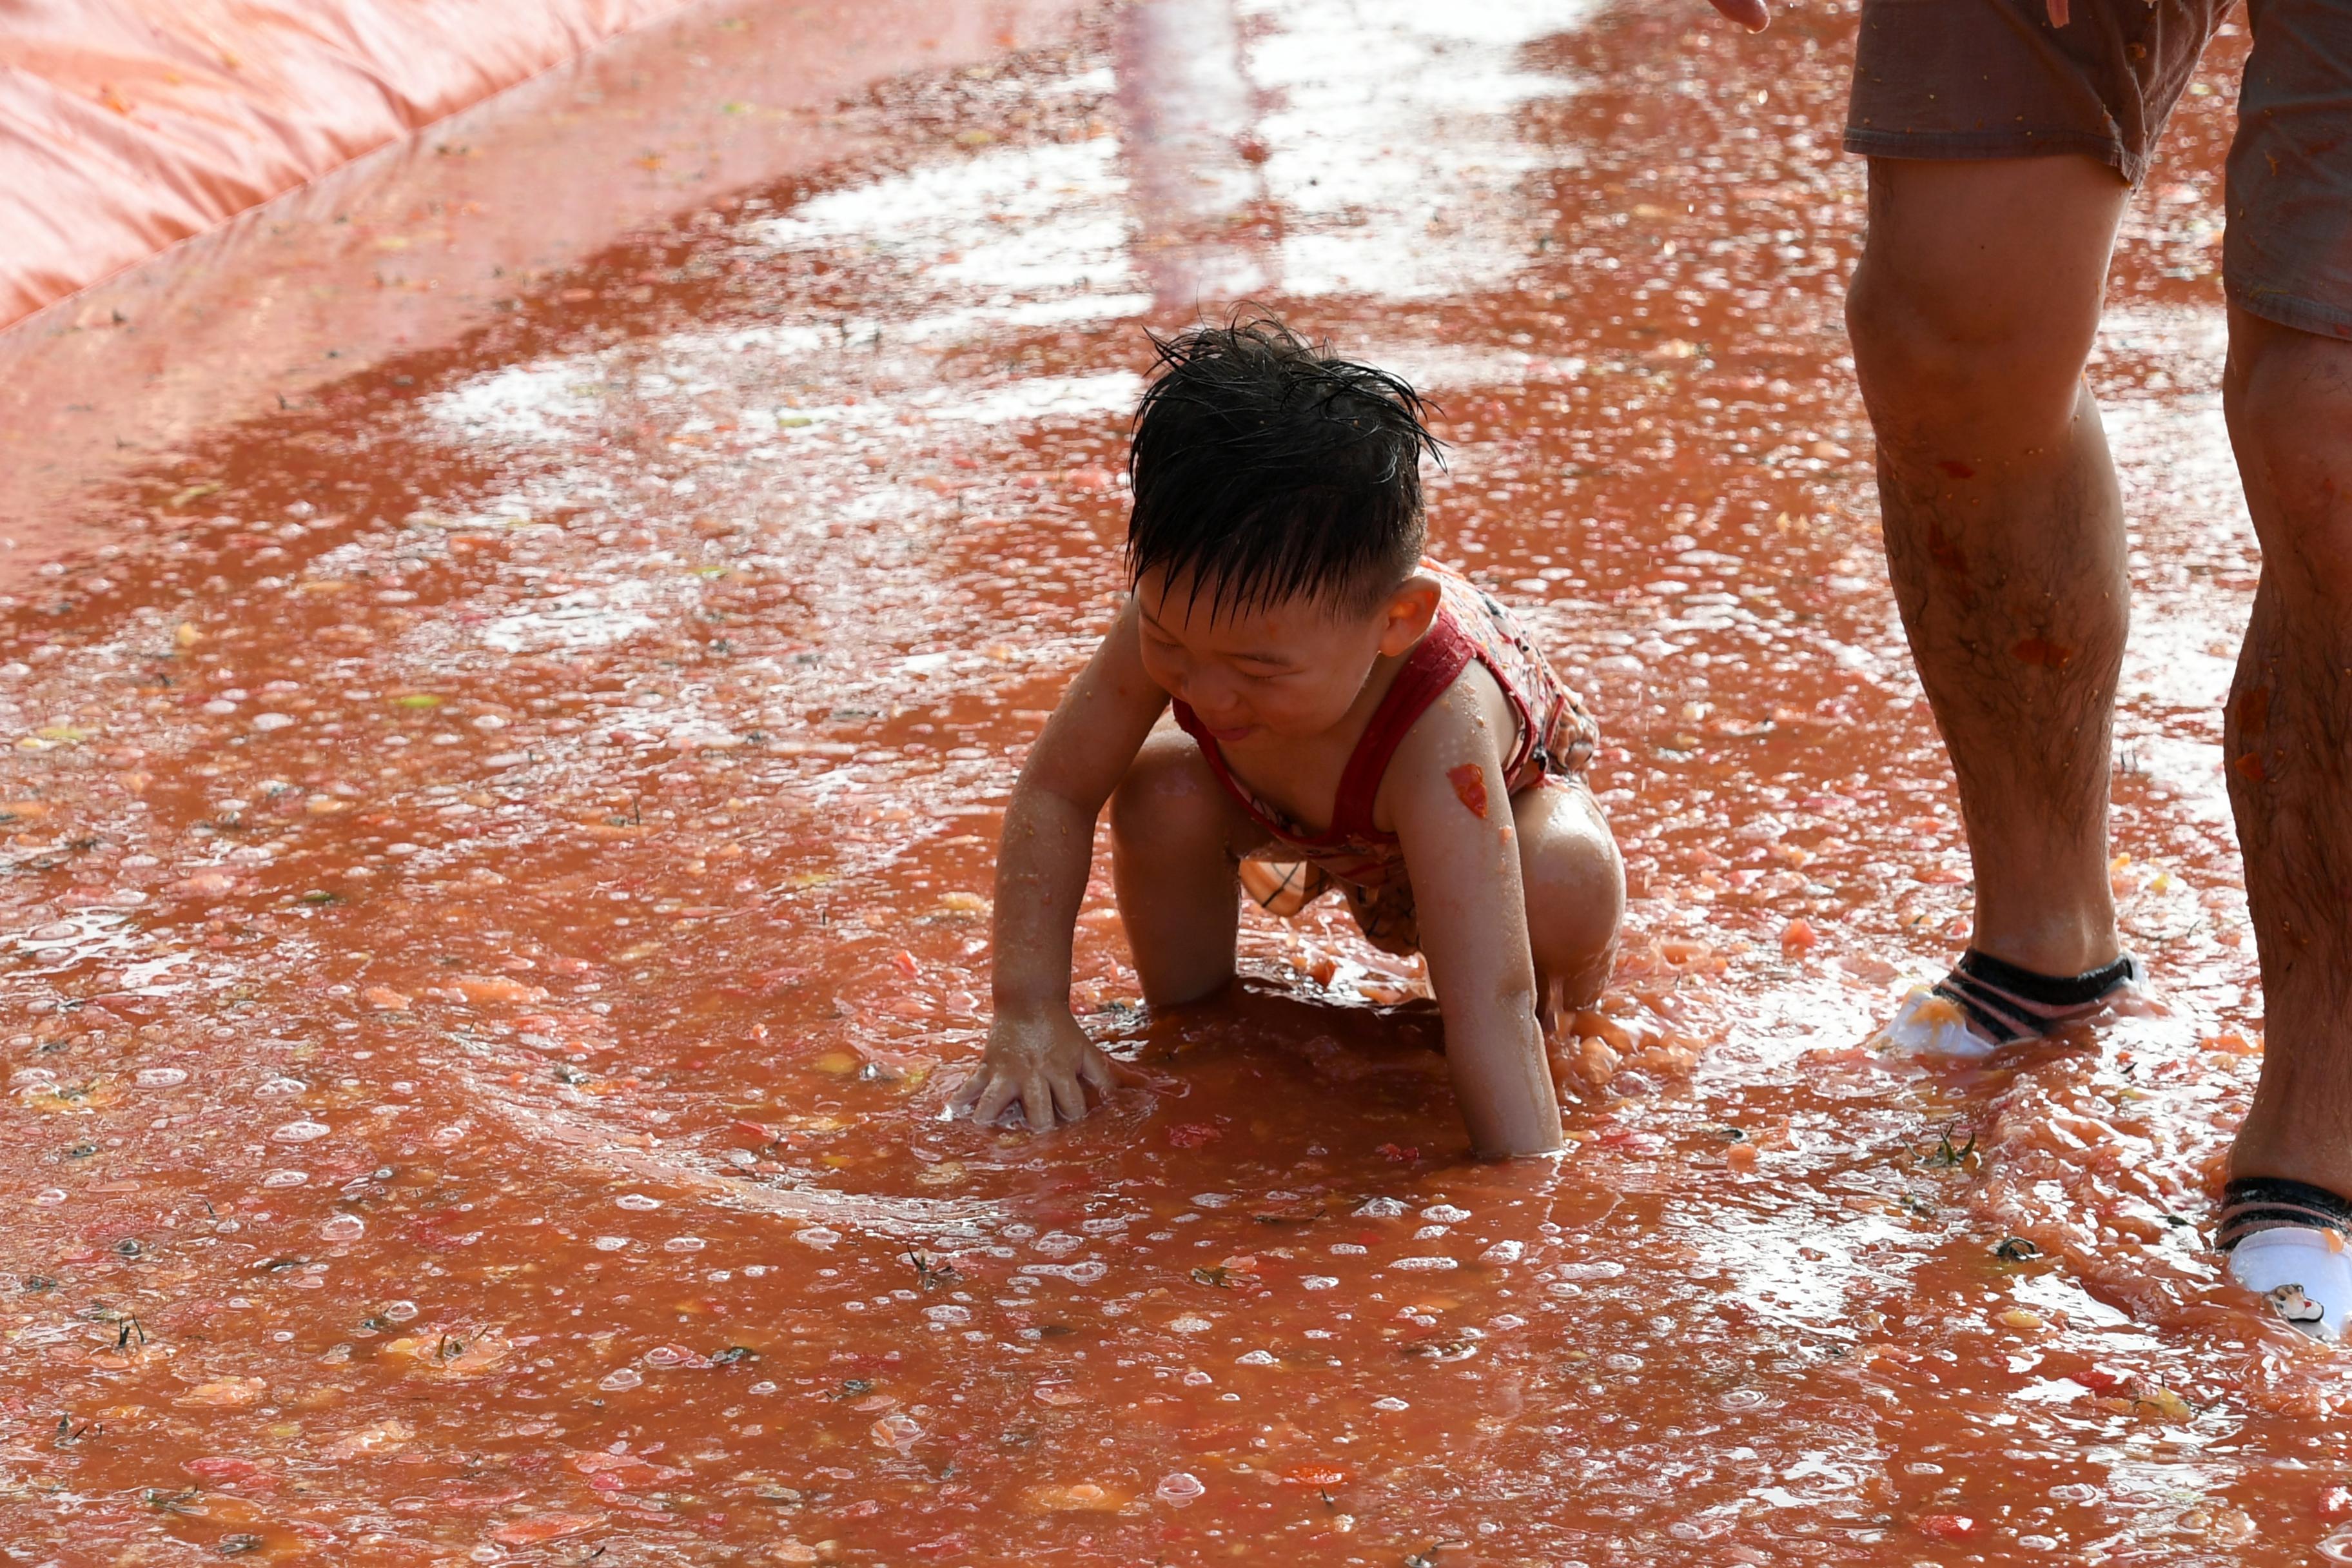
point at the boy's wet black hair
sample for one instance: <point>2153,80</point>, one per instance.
<point>1265,469</point>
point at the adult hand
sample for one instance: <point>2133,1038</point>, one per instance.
<point>1043,1060</point>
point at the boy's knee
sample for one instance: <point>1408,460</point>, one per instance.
<point>1574,882</point>
<point>1167,794</point>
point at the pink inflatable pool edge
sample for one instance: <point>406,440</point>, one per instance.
<point>209,215</point>
<point>127,125</point>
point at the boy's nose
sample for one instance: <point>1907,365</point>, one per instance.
<point>1213,701</point>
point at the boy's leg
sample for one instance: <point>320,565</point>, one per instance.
<point>1575,886</point>
<point>1176,838</point>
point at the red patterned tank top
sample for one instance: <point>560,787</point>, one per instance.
<point>1556,736</point>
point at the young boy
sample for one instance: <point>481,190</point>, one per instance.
<point>1346,714</point>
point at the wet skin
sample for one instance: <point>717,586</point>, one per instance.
<point>659,666</point>
<point>1973,310</point>
<point>1516,914</point>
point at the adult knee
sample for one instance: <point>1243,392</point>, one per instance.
<point>1976,297</point>
<point>1939,365</point>
<point>2289,399</point>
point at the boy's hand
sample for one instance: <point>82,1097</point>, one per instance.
<point>1043,1060</point>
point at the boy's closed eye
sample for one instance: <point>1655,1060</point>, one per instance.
<point>1253,667</point>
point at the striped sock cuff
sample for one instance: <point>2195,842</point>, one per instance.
<point>2265,1203</point>
<point>2007,1004</point>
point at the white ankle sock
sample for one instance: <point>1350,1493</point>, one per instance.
<point>2305,1273</point>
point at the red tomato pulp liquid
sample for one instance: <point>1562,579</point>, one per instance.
<point>499,853</point>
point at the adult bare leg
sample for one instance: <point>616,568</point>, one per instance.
<point>1972,315</point>
<point>2289,743</point>
<point>2288,749</point>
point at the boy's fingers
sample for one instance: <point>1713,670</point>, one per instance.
<point>991,1105</point>
<point>1099,1070</point>
<point>1037,1104</point>
<point>967,1093</point>
<point>1069,1098</point>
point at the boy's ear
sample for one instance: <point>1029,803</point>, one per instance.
<point>1411,610</point>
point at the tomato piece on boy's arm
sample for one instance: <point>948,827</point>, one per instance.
<point>1451,809</point>
<point>1036,1053</point>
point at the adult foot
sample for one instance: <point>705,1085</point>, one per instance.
<point>2287,1242</point>
<point>1985,1003</point>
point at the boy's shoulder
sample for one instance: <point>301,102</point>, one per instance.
<point>1471,707</point>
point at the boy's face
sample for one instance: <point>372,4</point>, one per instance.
<point>1292,668</point>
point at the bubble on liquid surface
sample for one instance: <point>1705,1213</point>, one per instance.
<point>638,1202</point>
<point>302,1131</point>
<point>162,1078</point>
<point>343,1227</point>
<point>1178,1488</point>
<point>285,1178</point>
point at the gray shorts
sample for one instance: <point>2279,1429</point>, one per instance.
<point>1992,79</point>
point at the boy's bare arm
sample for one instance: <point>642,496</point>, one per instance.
<point>1036,1053</point>
<point>1446,795</point>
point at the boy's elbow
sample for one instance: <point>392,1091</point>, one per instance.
<point>1042,794</point>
